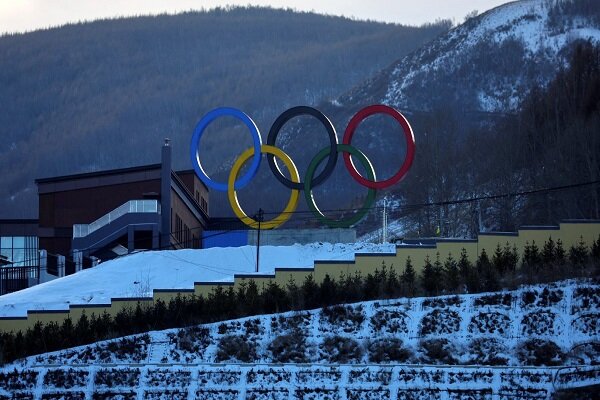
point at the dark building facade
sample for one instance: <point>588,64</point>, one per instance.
<point>107,213</point>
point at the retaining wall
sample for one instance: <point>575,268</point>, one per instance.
<point>569,232</point>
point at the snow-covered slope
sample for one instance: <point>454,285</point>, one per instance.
<point>360,351</point>
<point>137,275</point>
<point>488,64</point>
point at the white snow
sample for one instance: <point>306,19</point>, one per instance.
<point>525,21</point>
<point>136,275</point>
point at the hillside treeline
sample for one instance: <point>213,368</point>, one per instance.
<point>551,142</point>
<point>103,95</point>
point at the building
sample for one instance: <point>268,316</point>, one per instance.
<point>100,215</point>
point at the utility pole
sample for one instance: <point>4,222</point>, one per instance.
<point>385,224</point>
<point>259,218</point>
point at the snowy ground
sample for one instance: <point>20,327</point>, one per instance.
<point>137,274</point>
<point>184,363</point>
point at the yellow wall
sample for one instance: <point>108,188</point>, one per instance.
<point>570,233</point>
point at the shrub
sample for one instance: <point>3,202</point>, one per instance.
<point>490,322</point>
<point>538,323</point>
<point>128,377</point>
<point>252,327</point>
<point>217,394</point>
<point>60,396</point>
<point>540,352</point>
<point>339,349</point>
<point>388,350</point>
<point>347,318</point>
<point>587,353</point>
<point>18,380</point>
<point>165,394</point>
<point>282,323</point>
<point>65,379</point>
<point>193,339</point>
<point>438,351</point>
<point>236,347</point>
<point>133,349</point>
<point>288,348</point>
<point>390,321</point>
<point>493,300</point>
<point>487,351</point>
<point>440,322</point>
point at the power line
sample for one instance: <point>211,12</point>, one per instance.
<point>406,209</point>
<point>463,200</point>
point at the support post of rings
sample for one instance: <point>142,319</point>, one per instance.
<point>259,218</point>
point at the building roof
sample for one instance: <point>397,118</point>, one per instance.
<point>84,175</point>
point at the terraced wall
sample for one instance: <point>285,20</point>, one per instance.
<point>569,232</point>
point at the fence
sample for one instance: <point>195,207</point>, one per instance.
<point>17,278</point>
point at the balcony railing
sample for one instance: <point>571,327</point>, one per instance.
<point>132,206</point>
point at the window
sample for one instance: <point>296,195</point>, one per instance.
<point>20,250</point>
<point>178,228</point>
<point>186,235</point>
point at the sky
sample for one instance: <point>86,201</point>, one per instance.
<point>28,15</point>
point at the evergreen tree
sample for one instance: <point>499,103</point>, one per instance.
<point>549,253</point>
<point>451,274</point>
<point>381,279</point>
<point>67,332</point>
<point>467,272</point>
<point>511,257</point>
<point>531,257</point>
<point>328,291</point>
<point>408,277</point>
<point>487,273</point>
<point>578,255</point>
<point>274,298</point>
<point>310,292</point>
<point>429,278</point>
<point>253,298</point>
<point>392,285</point>
<point>241,294</point>
<point>499,260</point>
<point>438,270</point>
<point>294,294</point>
<point>560,255</point>
<point>595,251</point>
<point>158,314</point>
<point>371,287</point>
<point>82,329</point>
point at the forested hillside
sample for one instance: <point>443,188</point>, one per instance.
<point>503,104</point>
<point>103,95</point>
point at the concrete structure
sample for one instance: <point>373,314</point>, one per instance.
<point>276,237</point>
<point>569,232</point>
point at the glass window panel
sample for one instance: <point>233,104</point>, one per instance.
<point>18,242</point>
<point>6,242</point>
<point>6,253</point>
<point>18,256</point>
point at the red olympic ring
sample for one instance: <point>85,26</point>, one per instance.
<point>408,135</point>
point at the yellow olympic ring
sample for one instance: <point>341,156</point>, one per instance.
<point>232,195</point>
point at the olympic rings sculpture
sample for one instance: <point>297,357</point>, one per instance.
<point>254,153</point>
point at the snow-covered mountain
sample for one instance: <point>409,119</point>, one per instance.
<point>487,64</point>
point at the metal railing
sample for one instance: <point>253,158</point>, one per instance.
<point>132,206</point>
<point>17,278</point>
